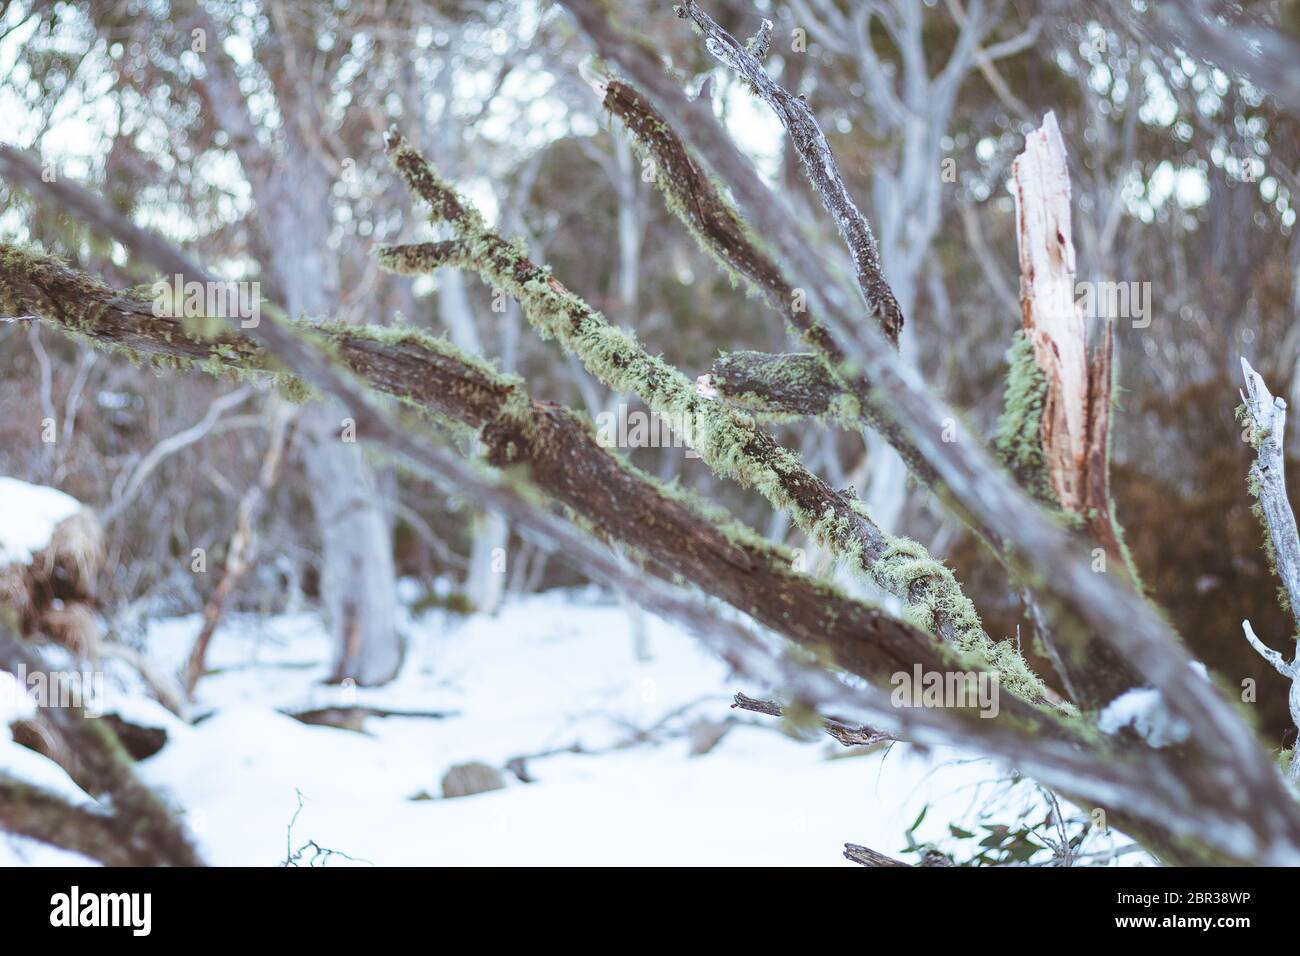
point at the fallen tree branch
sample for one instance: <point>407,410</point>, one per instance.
<point>850,735</point>
<point>865,856</point>
<point>33,812</point>
<point>144,830</point>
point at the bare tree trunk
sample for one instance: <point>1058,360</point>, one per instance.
<point>357,575</point>
<point>291,190</point>
<point>485,586</point>
<point>358,581</point>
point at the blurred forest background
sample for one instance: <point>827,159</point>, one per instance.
<point>260,149</point>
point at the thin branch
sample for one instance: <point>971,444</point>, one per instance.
<point>815,152</point>
<point>1279,663</point>
<point>850,735</point>
<point>1267,418</point>
<point>866,856</point>
<point>171,445</point>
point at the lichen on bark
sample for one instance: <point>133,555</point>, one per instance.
<point>727,439</point>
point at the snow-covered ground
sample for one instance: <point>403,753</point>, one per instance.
<point>550,675</point>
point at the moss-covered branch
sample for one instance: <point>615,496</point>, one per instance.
<point>557,451</point>
<point>785,386</point>
<point>728,440</point>
<point>30,811</point>
<point>721,233</point>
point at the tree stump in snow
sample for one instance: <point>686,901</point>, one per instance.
<point>51,550</point>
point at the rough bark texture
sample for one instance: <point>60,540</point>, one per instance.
<point>1073,393</point>
<point>865,856</point>
<point>797,118</point>
<point>795,384</point>
<point>694,198</point>
<point>1266,416</point>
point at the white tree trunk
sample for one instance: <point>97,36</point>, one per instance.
<point>486,584</point>
<point>358,580</point>
<point>357,575</point>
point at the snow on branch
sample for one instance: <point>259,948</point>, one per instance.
<point>141,828</point>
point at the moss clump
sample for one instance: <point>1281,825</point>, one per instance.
<point>935,603</point>
<point>1019,441</point>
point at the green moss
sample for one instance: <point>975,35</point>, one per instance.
<point>1019,440</point>
<point>933,595</point>
<point>728,440</point>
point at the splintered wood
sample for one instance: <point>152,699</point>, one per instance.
<point>1076,408</point>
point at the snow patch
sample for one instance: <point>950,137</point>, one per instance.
<point>28,516</point>
<point>1143,709</point>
